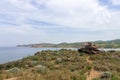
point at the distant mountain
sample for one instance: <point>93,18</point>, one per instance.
<point>38,45</point>
<point>109,43</point>
<point>101,44</point>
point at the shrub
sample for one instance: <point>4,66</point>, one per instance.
<point>41,69</point>
<point>114,78</point>
<point>106,75</point>
<point>13,70</point>
<point>58,60</point>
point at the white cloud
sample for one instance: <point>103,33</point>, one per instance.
<point>115,2</point>
<point>21,30</point>
<point>87,14</point>
<point>23,34</point>
<point>22,4</point>
<point>84,16</point>
<point>76,13</point>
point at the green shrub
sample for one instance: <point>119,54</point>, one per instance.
<point>58,60</point>
<point>106,75</point>
<point>41,69</point>
<point>13,70</point>
<point>114,77</point>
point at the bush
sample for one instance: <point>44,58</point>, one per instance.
<point>41,69</point>
<point>58,60</point>
<point>13,70</point>
<point>106,75</point>
<point>114,77</point>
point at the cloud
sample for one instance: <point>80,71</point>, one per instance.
<point>21,30</point>
<point>57,19</point>
<point>76,13</point>
<point>22,34</point>
<point>115,2</point>
<point>87,14</point>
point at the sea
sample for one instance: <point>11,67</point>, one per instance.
<point>8,54</point>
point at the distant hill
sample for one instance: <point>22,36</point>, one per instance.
<point>101,44</point>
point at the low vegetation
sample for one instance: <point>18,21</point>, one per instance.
<point>63,65</point>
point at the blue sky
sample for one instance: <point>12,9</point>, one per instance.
<point>56,21</point>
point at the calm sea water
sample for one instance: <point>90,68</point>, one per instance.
<point>8,54</point>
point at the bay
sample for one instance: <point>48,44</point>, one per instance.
<point>8,54</point>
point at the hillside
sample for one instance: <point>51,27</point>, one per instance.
<point>63,65</point>
<point>101,44</point>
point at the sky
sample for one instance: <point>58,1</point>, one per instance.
<point>56,21</point>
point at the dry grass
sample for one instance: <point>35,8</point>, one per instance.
<point>62,65</point>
